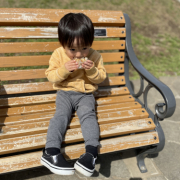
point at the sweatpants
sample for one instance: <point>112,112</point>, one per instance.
<point>66,103</point>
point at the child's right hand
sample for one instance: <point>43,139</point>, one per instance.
<point>71,65</point>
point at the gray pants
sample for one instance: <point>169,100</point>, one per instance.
<point>66,103</point>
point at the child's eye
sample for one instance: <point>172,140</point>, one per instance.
<point>72,49</point>
<point>84,48</point>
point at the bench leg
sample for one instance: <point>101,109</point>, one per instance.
<point>151,150</point>
<point>141,156</point>
<point>140,162</point>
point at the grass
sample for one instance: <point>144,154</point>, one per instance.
<point>155,28</point>
<point>161,56</point>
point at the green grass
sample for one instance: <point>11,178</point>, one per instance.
<point>160,57</point>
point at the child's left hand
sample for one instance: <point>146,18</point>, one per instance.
<point>87,64</point>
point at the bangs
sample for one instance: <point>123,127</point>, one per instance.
<point>76,27</point>
<point>81,42</point>
<point>79,32</point>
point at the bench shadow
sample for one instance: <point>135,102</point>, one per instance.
<point>112,164</point>
<point>3,107</point>
<point>27,174</point>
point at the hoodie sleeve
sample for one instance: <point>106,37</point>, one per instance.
<point>97,73</point>
<point>56,71</point>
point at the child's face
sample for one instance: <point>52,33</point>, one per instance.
<point>77,52</point>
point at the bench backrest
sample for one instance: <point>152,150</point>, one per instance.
<point>29,36</point>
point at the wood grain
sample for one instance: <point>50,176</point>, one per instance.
<point>48,98</point>
<point>40,73</point>
<point>30,160</point>
<point>49,33</point>
<point>29,47</point>
<point>18,61</point>
<point>51,17</point>
<point>47,86</point>
<point>35,140</point>
<point>51,106</point>
<point>31,128</point>
<point>46,116</point>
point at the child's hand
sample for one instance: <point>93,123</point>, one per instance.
<point>71,65</point>
<point>87,64</point>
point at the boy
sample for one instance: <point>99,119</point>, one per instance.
<point>74,93</point>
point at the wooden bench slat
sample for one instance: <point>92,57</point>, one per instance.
<point>105,118</point>
<point>28,142</point>
<point>111,92</point>
<point>40,73</point>
<point>22,74</point>
<point>114,68</point>
<point>113,81</point>
<point>47,86</point>
<point>30,160</point>
<point>30,33</point>
<point>19,47</point>
<point>17,130</point>
<point>45,116</point>
<point>18,61</point>
<point>48,98</point>
<point>51,106</point>
<point>118,106</point>
<point>20,130</point>
<point>51,17</point>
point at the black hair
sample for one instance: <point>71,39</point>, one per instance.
<point>75,25</point>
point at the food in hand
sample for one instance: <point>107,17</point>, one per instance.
<point>80,61</point>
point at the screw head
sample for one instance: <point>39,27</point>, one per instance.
<point>121,17</point>
<point>155,137</point>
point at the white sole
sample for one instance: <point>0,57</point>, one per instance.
<point>80,168</point>
<point>55,169</point>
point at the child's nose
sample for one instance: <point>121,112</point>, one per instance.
<point>78,55</point>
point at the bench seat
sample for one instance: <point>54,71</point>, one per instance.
<point>25,127</point>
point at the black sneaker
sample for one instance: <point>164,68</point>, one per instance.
<point>57,164</point>
<point>85,164</point>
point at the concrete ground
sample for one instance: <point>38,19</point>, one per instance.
<point>123,165</point>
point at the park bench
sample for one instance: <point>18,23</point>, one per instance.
<point>27,99</point>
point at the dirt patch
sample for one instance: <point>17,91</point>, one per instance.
<point>174,27</point>
<point>170,73</point>
<point>157,51</point>
<point>146,30</point>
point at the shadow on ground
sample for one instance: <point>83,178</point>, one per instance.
<point>107,166</point>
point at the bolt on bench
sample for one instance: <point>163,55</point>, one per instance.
<point>27,99</point>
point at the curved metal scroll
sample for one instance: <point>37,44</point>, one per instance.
<point>141,88</point>
<point>159,107</point>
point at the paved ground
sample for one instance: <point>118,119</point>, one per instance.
<point>123,165</point>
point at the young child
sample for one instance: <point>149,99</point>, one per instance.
<point>75,89</point>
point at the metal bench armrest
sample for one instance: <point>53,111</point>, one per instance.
<point>164,90</point>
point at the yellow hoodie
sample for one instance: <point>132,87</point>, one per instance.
<point>80,80</point>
